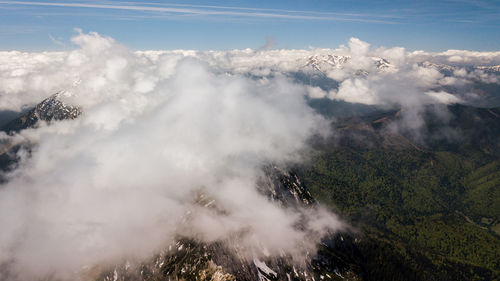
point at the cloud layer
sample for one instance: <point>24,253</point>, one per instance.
<point>161,128</point>
<point>124,179</point>
<point>362,74</point>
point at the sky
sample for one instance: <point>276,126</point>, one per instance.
<point>238,24</point>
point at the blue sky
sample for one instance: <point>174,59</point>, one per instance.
<point>202,25</point>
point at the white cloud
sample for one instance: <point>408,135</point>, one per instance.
<point>443,97</point>
<point>122,180</point>
<point>357,91</point>
<point>316,92</point>
<point>26,78</point>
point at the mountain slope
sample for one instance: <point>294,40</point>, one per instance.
<point>50,109</point>
<point>434,202</point>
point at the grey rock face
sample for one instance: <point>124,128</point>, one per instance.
<point>50,109</point>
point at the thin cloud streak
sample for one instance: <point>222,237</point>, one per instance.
<point>202,12</point>
<point>270,10</point>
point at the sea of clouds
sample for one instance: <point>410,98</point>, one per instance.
<point>159,128</point>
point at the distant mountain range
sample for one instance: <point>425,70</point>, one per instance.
<point>325,62</point>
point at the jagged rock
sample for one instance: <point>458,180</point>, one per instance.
<point>50,109</point>
<point>326,62</point>
<point>188,259</point>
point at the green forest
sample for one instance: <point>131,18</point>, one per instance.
<point>433,211</point>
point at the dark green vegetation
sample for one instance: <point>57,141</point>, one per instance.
<point>428,210</point>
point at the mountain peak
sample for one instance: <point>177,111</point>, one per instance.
<point>50,109</point>
<point>325,62</point>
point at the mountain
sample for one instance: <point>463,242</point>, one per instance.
<point>463,127</point>
<point>491,69</point>
<point>448,69</point>
<point>50,109</point>
<point>429,197</point>
<point>325,62</point>
<point>188,259</point>
<point>422,208</point>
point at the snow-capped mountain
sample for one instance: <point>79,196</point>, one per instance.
<point>322,62</point>
<point>326,62</point>
<point>492,68</point>
<point>50,109</point>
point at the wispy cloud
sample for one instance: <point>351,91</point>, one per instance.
<point>57,41</point>
<point>204,10</point>
<point>365,15</point>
